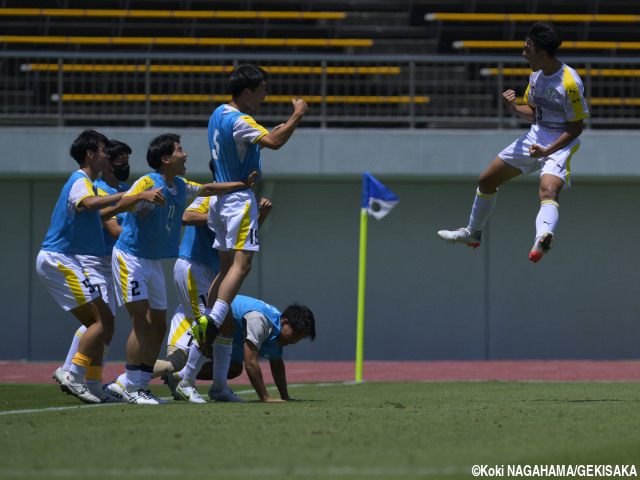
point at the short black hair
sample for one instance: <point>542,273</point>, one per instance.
<point>115,148</point>
<point>545,36</point>
<point>245,75</point>
<point>301,319</point>
<point>160,146</point>
<point>89,140</point>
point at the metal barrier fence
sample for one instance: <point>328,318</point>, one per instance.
<point>392,91</point>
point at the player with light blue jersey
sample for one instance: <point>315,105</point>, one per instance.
<point>98,269</point>
<point>75,231</point>
<point>235,140</point>
<point>229,127</point>
<point>149,234</point>
<point>267,348</point>
<point>261,333</point>
<point>554,103</point>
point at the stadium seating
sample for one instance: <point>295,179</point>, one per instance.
<point>141,68</point>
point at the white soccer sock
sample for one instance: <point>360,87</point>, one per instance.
<point>483,205</point>
<point>133,378</point>
<point>122,380</point>
<point>194,364</point>
<point>219,312</point>
<point>222,348</point>
<point>73,348</point>
<point>547,218</point>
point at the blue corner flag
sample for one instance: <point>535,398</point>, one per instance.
<point>376,198</point>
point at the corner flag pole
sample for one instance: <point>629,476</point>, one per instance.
<point>361,284</point>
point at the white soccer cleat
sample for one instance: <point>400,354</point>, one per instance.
<point>141,397</point>
<point>189,393</point>
<point>462,235</point>
<point>104,395</point>
<point>224,395</point>
<point>541,246</point>
<point>115,389</point>
<point>80,391</point>
<point>61,376</point>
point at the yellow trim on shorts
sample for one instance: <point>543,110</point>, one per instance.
<point>243,231</point>
<point>573,150</point>
<point>73,283</point>
<point>182,328</point>
<point>124,275</point>
<point>192,288</point>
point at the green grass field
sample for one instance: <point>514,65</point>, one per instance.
<point>333,431</point>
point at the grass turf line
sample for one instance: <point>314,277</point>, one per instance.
<point>367,430</point>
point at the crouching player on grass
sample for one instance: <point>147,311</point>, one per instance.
<point>261,332</point>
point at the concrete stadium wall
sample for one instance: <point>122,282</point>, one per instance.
<point>425,300</point>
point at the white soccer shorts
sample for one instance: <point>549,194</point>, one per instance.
<point>99,271</point>
<point>192,280</point>
<point>138,278</point>
<point>557,164</point>
<point>66,280</point>
<point>234,219</point>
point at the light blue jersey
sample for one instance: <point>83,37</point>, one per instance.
<point>153,232</point>
<point>269,349</point>
<point>104,189</point>
<point>73,231</point>
<point>232,143</point>
<point>197,242</point>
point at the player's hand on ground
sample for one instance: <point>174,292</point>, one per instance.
<point>508,98</point>
<point>154,195</point>
<point>274,400</point>
<point>300,106</point>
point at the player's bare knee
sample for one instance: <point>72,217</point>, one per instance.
<point>486,184</point>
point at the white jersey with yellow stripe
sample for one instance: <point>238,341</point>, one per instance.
<point>557,98</point>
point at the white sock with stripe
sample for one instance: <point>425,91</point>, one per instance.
<point>73,348</point>
<point>547,218</point>
<point>194,363</point>
<point>483,205</point>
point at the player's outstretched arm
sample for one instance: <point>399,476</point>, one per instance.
<point>97,202</point>
<point>280,377</point>
<point>194,219</point>
<point>254,372</point>
<point>282,133</point>
<point>209,189</point>
<point>127,202</point>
